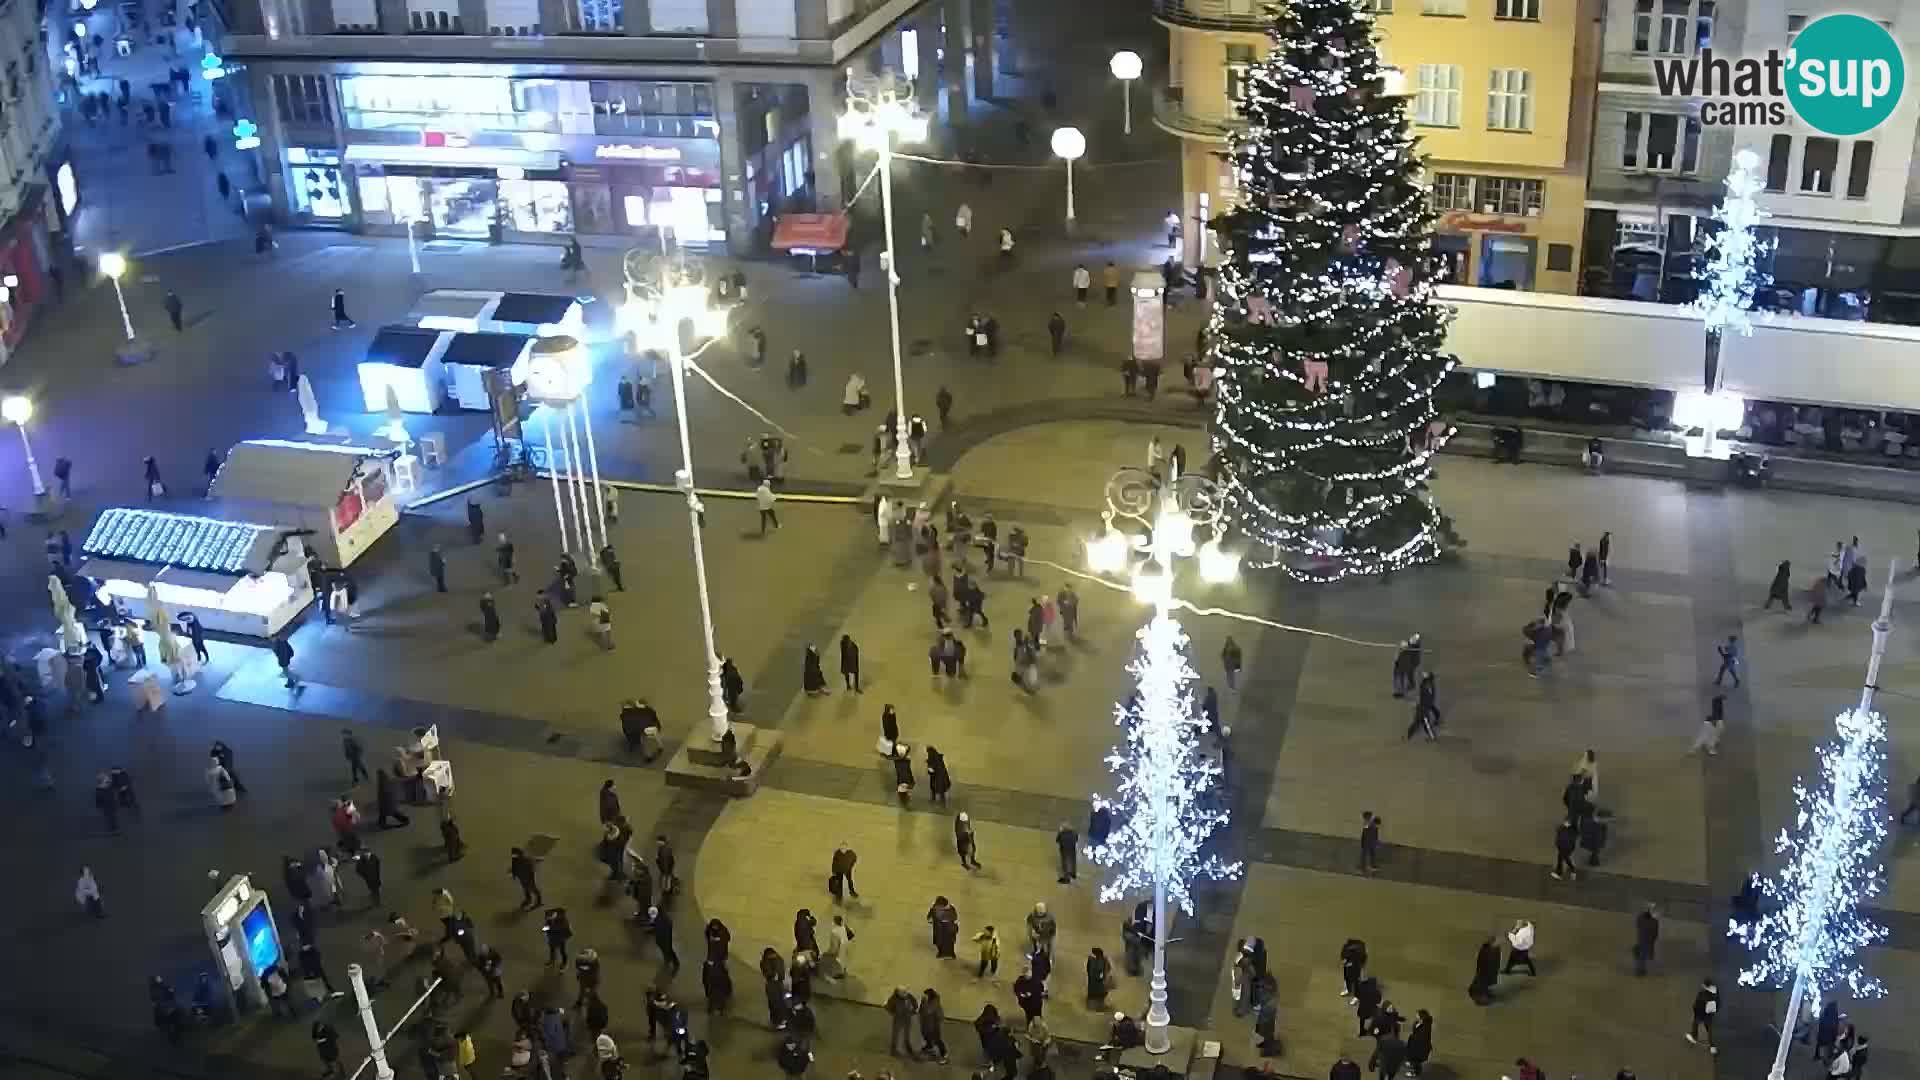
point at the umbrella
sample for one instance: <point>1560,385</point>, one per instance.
<point>170,653</point>
<point>72,635</point>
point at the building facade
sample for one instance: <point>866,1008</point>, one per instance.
<point>524,119</point>
<point>1845,211</point>
<point>37,187</point>
<point>1501,98</point>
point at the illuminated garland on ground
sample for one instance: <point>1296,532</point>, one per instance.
<point>1811,928</point>
<point>1326,332</point>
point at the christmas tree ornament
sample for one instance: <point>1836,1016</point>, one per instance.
<point>1314,373</point>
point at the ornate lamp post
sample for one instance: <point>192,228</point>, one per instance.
<point>1068,144</point>
<point>1126,67</point>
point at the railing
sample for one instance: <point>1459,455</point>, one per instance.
<point>1170,112</point>
<point>1214,14</point>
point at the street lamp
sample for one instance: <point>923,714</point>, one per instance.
<point>1126,67</point>
<point>113,264</point>
<point>881,109</point>
<point>1069,144</point>
<point>659,320</point>
<point>1166,817</point>
<point>18,410</point>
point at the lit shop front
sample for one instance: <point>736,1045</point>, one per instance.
<point>236,577</point>
<point>521,159</point>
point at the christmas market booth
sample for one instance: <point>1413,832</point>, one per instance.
<point>235,577</point>
<point>470,310</point>
<point>340,497</point>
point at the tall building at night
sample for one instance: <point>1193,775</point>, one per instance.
<point>36,181</point>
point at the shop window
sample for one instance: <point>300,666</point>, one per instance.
<point>1860,169</point>
<point>681,110</point>
<point>1817,163</point>
<point>304,100</point>
<point>1438,102</point>
<point>678,16</point>
<point>1510,100</point>
<point>537,206</point>
<point>435,102</point>
<point>1779,152</point>
<point>1528,10</point>
<point>313,183</point>
<point>374,204</point>
<point>513,18</point>
<point>599,16</point>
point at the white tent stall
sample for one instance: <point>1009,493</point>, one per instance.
<point>467,357</point>
<point>530,314</point>
<point>236,577</point>
<point>341,493</point>
<point>407,361</point>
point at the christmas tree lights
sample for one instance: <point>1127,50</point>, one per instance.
<point>1326,334</point>
<point>1731,275</point>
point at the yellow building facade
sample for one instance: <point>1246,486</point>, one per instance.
<point>1500,93</point>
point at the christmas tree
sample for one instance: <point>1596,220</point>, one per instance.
<point>1731,275</point>
<point>1326,333</point>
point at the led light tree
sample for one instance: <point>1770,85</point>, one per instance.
<point>1327,332</point>
<point>1811,930</point>
<point>1731,276</point>
<point>1166,807</point>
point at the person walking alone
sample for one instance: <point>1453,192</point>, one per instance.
<point>1782,587</point>
<point>1706,1008</point>
<point>1057,331</point>
<point>1369,842</point>
<point>1565,838</point>
<point>521,868</point>
<point>1520,948</point>
<point>339,308</point>
<point>1646,932</point>
<point>175,311</point>
<point>1068,842</point>
<point>764,499</point>
<point>437,567</point>
<point>1730,657</point>
<point>356,756</point>
<point>1082,281</point>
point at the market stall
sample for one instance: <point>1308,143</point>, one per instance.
<point>469,310</point>
<point>235,577</point>
<point>407,361</point>
<point>342,493</point>
<point>468,357</point>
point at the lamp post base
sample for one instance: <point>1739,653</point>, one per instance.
<point>890,480</point>
<point>1183,1044</point>
<point>130,353</point>
<point>47,506</point>
<point>700,764</point>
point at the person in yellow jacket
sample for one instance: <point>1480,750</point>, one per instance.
<point>989,941</point>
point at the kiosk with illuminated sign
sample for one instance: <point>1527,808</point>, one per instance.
<point>341,497</point>
<point>236,578</point>
<point>244,940</point>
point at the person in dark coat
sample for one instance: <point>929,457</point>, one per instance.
<point>1486,972</point>
<point>938,781</point>
<point>386,799</point>
<point>1856,581</point>
<point>367,864</point>
<point>489,617</point>
<point>1369,996</point>
<point>1782,587</point>
<point>1099,824</point>
<point>549,619</point>
<point>717,984</point>
<point>1646,934</point>
<point>732,686</point>
<point>812,679</point>
<point>1420,1042</point>
<point>437,568</point>
<point>225,753</point>
<point>1099,978</point>
<point>850,662</point>
<point>1389,1053</point>
<point>476,522</point>
<point>609,802</point>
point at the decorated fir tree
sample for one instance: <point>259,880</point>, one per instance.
<point>1326,333</point>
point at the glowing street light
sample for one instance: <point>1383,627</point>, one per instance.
<point>657,321</point>
<point>1069,145</point>
<point>1126,67</point>
<point>18,410</point>
<point>1166,819</point>
<point>114,265</point>
<point>880,110</point>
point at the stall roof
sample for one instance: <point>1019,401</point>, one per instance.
<point>485,350</point>
<point>452,309</point>
<point>538,309</point>
<point>402,346</point>
<point>156,538</point>
<point>288,473</point>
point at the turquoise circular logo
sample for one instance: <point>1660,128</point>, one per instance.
<point>1845,74</point>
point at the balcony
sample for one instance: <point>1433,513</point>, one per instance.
<point>1171,114</point>
<point>1245,16</point>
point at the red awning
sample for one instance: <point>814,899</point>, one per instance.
<point>815,232</point>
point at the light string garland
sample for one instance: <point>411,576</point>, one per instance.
<point>1327,329</point>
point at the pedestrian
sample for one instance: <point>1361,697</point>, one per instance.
<point>1420,1042</point>
<point>963,221</point>
<point>489,617</point>
<point>944,918</point>
<point>1057,331</point>
<point>1565,838</point>
<point>1042,927</point>
<point>1856,579</point>
<point>813,680</point>
<point>964,843</point>
<point>339,308</point>
<point>732,686</point>
<point>1082,281</point>
<point>764,499</point>
<point>1068,842</point>
<point>1369,842</point>
<point>1913,802</point>
<point>437,568</point>
<point>155,488</point>
<point>989,942</point>
<point>1706,1008</point>
<point>1520,948</point>
<point>1730,657</point>
<point>1344,1068</point>
<point>1604,549</point>
<point>1646,932</point>
<point>1817,596</point>
<point>943,403</point>
<point>1029,994</point>
<point>549,619</point>
<point>663,933</point>
<point>174,310</point>
<point>1826,1030</point>
<point>1265,1022</point>
<point>850,662</point>
<point>1006,246</point>
<point>840,872</point>
<point>600,621</point>
<point>610,565</point>
<point>1780,589</point>
<point>1353,966</point>
<point>1389,1053</point>
<point>1406,666</point>
<point>1426,711</point>
<point>939,781</point>
<point>520,867</point>
<point>933,1042</point>
<point>1859,1058</point>
<point>1110,281</point>
<point>63,473</point>
<point>1486,972</point>
<point>901,1008</point>
<point>476,523</point>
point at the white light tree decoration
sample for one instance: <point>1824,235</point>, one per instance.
<point>1732,275</point>
<point>1812,930</point>
<point>1165,807</point>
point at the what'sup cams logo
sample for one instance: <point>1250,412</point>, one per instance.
<point>1843,76</point>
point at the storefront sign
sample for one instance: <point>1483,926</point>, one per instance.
<point>1462,221</point>
<point>443,138</point>
<point>629,152</point>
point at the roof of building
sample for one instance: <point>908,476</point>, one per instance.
<point>485,350</point>
<point>402,346</point>
<point>289,473</point>
<point>157,538</point>
<point>534,308</point>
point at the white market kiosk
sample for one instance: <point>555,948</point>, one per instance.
<point>468,357</point>
<point>343,494</point>
<point>236,577</point>
<point>538,315</point>
<point>407,361</point>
